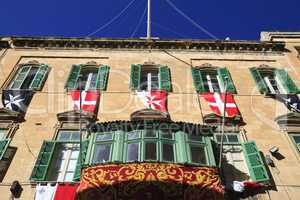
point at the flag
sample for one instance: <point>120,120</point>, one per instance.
<point>239,186</point>
<point>66,191</point>
<point>154,99</point>
<point>291,101</point>
<point>216,103</point>
<point>17,100</point>
<point>44,192</point>
<point>89,100</point>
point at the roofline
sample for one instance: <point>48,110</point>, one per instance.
<point>121,43</point>
<point>270,36</point>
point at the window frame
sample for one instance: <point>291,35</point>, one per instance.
<point>105,142</point>
<point>101,81</point>
<point>39,78</point>
<point>296,145</point>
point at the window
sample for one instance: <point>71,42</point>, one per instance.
<point>212,79</point>
<point>150,77</point>
<point>4,142</point>
<point>103,145</point>
<point>234,163</point>
<point>58,160</point>
<point>273,81</point>
<point>94,77</point>
<point>298,50</point>
<point>295,137</point>
<point>29,77</point>
<point>196,149</point>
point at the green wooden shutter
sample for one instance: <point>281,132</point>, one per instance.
<point>255,162</point>
<point>43,161</point>
<point>165,78</point>
<point>39,78</point>
<point>286,81</point>
<point>102,77</point>
<point>73,77</point>
<point>3,146</point>
<point>84,148</point>
<point>135,76</point>
<point>198,81</point>
<point>260,83</point>
<point>223,72</point>
<point>20,77</point>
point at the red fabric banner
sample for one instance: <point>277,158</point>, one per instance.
<point>216,103</point>
<point>145,180</point>
<point>66,191</point>
<point>89,100</point>
<point>154,99</point>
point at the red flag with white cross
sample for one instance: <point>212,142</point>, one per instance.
<point>154,99</point>
<point>89,100</point>
<point>216,103</point>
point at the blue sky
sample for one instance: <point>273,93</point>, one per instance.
<point>237,19</point>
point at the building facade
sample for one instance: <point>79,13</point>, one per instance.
<point>118,148</point>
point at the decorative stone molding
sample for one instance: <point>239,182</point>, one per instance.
<point>149,114</point>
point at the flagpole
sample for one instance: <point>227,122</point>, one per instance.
<point>80,113</point>
<point>149,21</point>
<point>223,123</point>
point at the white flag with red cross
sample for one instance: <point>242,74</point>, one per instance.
<point>216,102</point>
<point>89,100</point>
<point>154,99</point>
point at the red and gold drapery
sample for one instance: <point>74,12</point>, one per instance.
<point>149,181</point>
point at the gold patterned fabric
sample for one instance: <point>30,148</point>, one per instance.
<point>149,181</point>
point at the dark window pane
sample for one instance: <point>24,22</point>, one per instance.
<point>166,134</point>
<point>197,138</point>
<point>197,154</point>
<point>148,74</point>
<point>133,135</point>
<point>219,138</point>
<point>297,139</point>
<point>29,78</point>
<point>232,138</point>
<point>101,153</point>
<point>168,152</point>
<point>150,153</point>
<point>89,75</point>
<point>104,137</point>
<point>133,152</point>
<point>150,133</point>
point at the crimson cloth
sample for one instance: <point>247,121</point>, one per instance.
<point>216,103</point>
<point>89,100</point>
<point>66,192</point>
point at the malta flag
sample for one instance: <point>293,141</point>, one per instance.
<point>89,100</point>
<point>64,191</point>
<point>216,103</point>
<point>155,99</point>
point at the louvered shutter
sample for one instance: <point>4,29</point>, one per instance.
<point>286,81</point>
<point>84,148</point>
<point>165,78</point>
<point>135,77</point>
<point>19,77</point>
<point>102,77</point>
<point>3,146</point>
<point>71,83</point>
<point>43,161</point>
<point>39,77</point>
<point>260,83</point>
<point>198,81</point>
<point>255,162</point>
<point>223,73</point>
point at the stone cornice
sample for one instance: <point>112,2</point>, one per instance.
<point>106,43</point>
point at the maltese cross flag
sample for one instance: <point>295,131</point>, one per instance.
<point>89,100</point>
<point>216,103</point>
<point>154,99</point>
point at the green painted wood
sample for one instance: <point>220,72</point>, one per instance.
<point>255,162</point>
<point>165,78</point>
<point>39,77</point>
<point>286,81</point>
<point>102,77</point>
<point>223,73</point>
<point>43,161</point>
<point>198,80</point>
<point>260,83</point>
<point>84,149</point>
<point>71,83</point>
<point>135,76</point>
